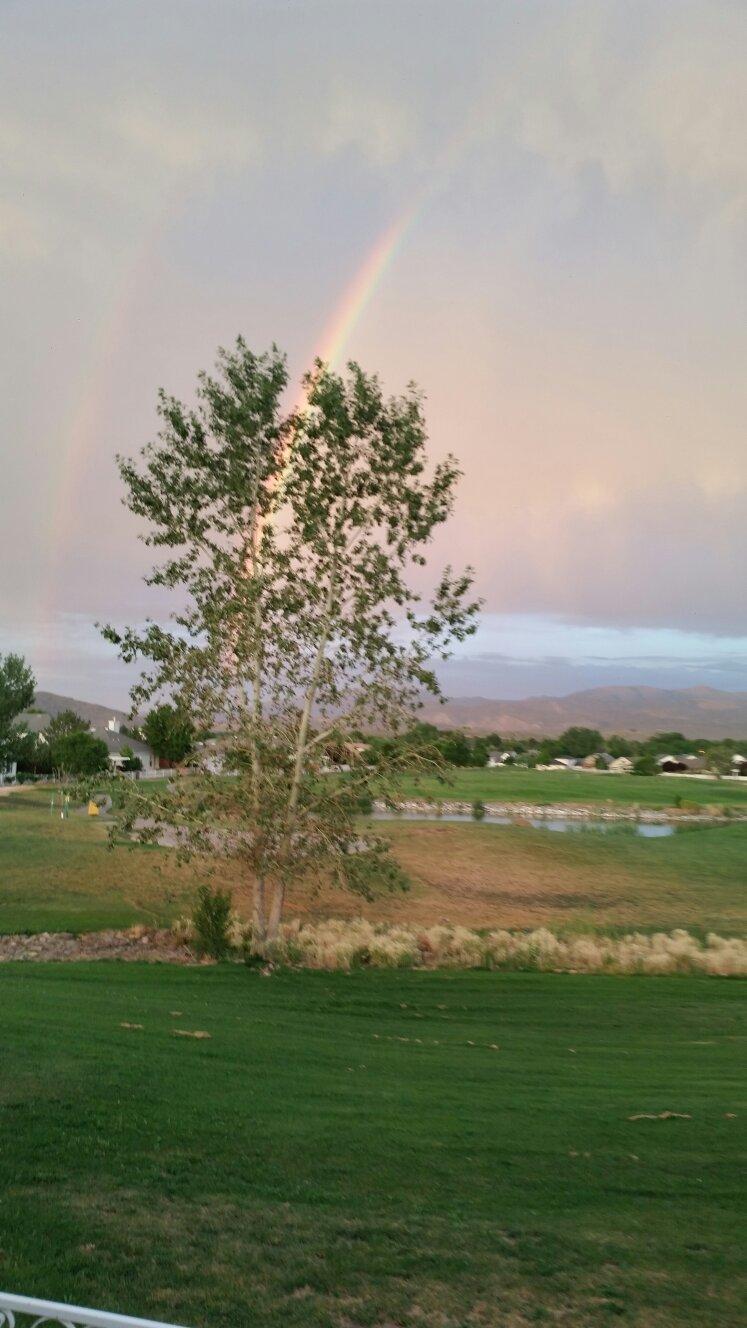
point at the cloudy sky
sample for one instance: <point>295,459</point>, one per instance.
<point>568,184</point>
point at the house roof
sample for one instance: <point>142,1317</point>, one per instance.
<point>33,722</point>
<point>116,741</point>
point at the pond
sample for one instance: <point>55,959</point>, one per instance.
<point>554,824</point>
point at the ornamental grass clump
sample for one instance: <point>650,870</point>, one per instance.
<point>341,944</point>
<point>338,944</point>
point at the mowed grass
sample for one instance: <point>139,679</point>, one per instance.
<point>354,1150</point>
<point>512,784</point>
<point>57,875</point>
<point>61,876</point>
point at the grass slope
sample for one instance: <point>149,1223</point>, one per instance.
<point>541,786</point>
<point>487,875</point>
<point>61,876</point>
<point>353,1151</point>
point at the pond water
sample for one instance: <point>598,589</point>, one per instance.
<point>555,824</point>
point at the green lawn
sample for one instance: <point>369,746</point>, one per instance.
<point>351,1150</point>
<point>512,784</point>
<point>60,875</point>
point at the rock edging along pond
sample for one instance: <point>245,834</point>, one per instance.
<point>515,813</point>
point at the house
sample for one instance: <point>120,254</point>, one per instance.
<point>32,721</point>
<point>110,733</point>
<point>682,765</point>
<point>497,757</point>
<point>739,765</point>
<point>564,763</point>
<point>116,741</point>
<point>621,765</point>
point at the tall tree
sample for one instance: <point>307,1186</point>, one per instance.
<point>17,687</point>
<point>79,753</point>
<point>67,721</point>
<point>169,733</point>
<point>290,539</point>
<point>579,741</point>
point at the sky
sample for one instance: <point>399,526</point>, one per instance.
<point>536,209</point>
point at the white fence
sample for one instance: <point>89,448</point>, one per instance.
<point>25,1312</point>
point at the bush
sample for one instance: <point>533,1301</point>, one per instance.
<point>478,810</point>
<point>80,754</point>
<point>645,765</point>
<point>211,920</point>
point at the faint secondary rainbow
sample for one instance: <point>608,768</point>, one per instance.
<point>330,348</point>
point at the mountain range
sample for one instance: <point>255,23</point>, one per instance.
<point>98,715</point>
<point>633,712</point>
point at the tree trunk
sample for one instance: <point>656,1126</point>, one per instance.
<point>276,912</point>
<point>278,898</point>
<point>259,917</point>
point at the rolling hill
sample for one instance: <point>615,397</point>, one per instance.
<point>636,712</point>
<point>699,712</point>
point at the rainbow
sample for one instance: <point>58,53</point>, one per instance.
<point>362,289</point>
<point>85,419</point>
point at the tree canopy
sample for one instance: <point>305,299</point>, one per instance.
<point>67,721</point>
<point>169,732</point>
<point>79,753</point>
<point>291,539</point>
<point>579,741</point>
<point>17,687</point>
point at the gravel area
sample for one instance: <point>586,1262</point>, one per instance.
<point>144,944</point>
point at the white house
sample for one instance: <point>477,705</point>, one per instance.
<point>621,765</point>
<point>110,733</point>
<point>497,757</point>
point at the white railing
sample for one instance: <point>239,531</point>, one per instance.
<point>26,1312</point>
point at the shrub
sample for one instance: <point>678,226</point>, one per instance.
<point>645,765</point>
<point>478,810</point>
<point>212,920</point>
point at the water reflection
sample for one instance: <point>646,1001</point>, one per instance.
<point>555,824</point>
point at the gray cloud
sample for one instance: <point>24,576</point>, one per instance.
<point>569,294</point>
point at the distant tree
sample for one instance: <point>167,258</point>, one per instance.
<point>79,753</point>
<point>455,749</point>
<point>130,762</point>
<point>17,687</point>
<point>32,756</point>
<point>480,751</point>
<point>666,742</point>
<point>617,746</point>
<point>578,741</point>
<point>67,721</point>
<point>494,740</point>
<point>169,733</point>
<point>720,756</point>
<point>645,765</point>
<point>548,749</point>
